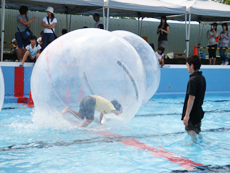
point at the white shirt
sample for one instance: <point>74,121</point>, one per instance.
<point>158,55</point>
<point>39,40</point>
<point>33,51</point>
<point>97,23</point>
<point>46,30</point>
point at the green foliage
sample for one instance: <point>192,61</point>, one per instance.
<point>133,18</point>
<point>223,1</point>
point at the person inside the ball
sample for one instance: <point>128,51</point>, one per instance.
<point>92,103</point>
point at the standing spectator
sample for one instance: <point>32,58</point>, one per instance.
<point>33,51</point>
<point>22,23</point>
<point>212,43</point>
<point>48,23</point>
<point>223,43</point>
<point>39,40</point>
<point>64,31</point>
<point>96,17</point>
<point>163,30</point>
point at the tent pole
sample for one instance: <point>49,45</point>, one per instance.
<point>198,44</point>
<point>141,25</point>
<point>2,33</point>
<point>138,25</point>
<point>104,16</point>
<point>67,25</point>
<point>189,32</point>
<point>107,26</point>
<point>186,34</point>
<point>70,18</point>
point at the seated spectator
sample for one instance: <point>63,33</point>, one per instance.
<point>39,40</point>
<point>14,45</point>
<point>160,56</point>
<point>64,31</point>
<point>100,26</point>
<point>96,17</point>
<point>33,51</point>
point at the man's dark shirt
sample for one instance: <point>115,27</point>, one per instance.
<point>196,87</point>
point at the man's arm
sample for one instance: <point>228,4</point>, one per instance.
<point>86,123</point>
<point>101,116</point>
<point>188,110</point>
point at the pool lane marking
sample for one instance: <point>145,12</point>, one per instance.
<point>170,156</point>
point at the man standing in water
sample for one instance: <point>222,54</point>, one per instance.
<point>192,111</point>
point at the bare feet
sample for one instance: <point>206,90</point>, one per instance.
<point>65,110</point>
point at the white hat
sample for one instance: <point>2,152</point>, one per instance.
<point>50,9</point>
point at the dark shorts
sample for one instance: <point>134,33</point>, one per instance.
<point>212,51</point>
<point>21,42</point>
<point>196,127</point>
<point>29,59</point>
<point>87,107</point>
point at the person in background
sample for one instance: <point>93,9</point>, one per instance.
<point>14,45</point>
<point>212,35</point>
<point>64,31</point>
<point>33,51</point>
<point>163,30</point>
<point>160,56</point>
<point>223,43</point>
<point>100,26</point>
<point>192,111</point>
<point>39,40</point>
<point>48,23</point>
<point>22,23</point>
<point>92,103</point>
<point>96,17</point>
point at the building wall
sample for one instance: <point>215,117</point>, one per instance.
<point>176,38</point>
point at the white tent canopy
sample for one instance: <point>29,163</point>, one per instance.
<point>205,10</point>
<point>61,6</point>
<point>202,10</point>
<point>143,8</point>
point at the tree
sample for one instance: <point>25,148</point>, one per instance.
<point>223,1</point>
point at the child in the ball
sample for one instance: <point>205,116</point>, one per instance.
<point>92,103</point>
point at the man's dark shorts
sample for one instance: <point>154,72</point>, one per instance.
<point>87,107</point>
<point>196,127</point>
<point>29,59</point>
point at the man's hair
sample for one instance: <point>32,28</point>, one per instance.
<point>195,60</point>
<point>64,31</point>
<point>96,14</point>
<point>23,9</point>
<point>161,49</point>
<point>101,26</point>
<point>116,105</point>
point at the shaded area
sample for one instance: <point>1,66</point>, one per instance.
<point>96,140</point>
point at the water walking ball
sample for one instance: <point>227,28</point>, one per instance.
<point>150,62</point>
<point>89,62</point>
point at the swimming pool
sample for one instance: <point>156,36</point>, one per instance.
<point>153,141</point>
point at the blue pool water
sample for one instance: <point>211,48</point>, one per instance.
<point>29,146</point>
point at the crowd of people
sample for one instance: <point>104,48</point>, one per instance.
<point>26,45</point>
<point>214,40</point>
<point>24,36</point>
